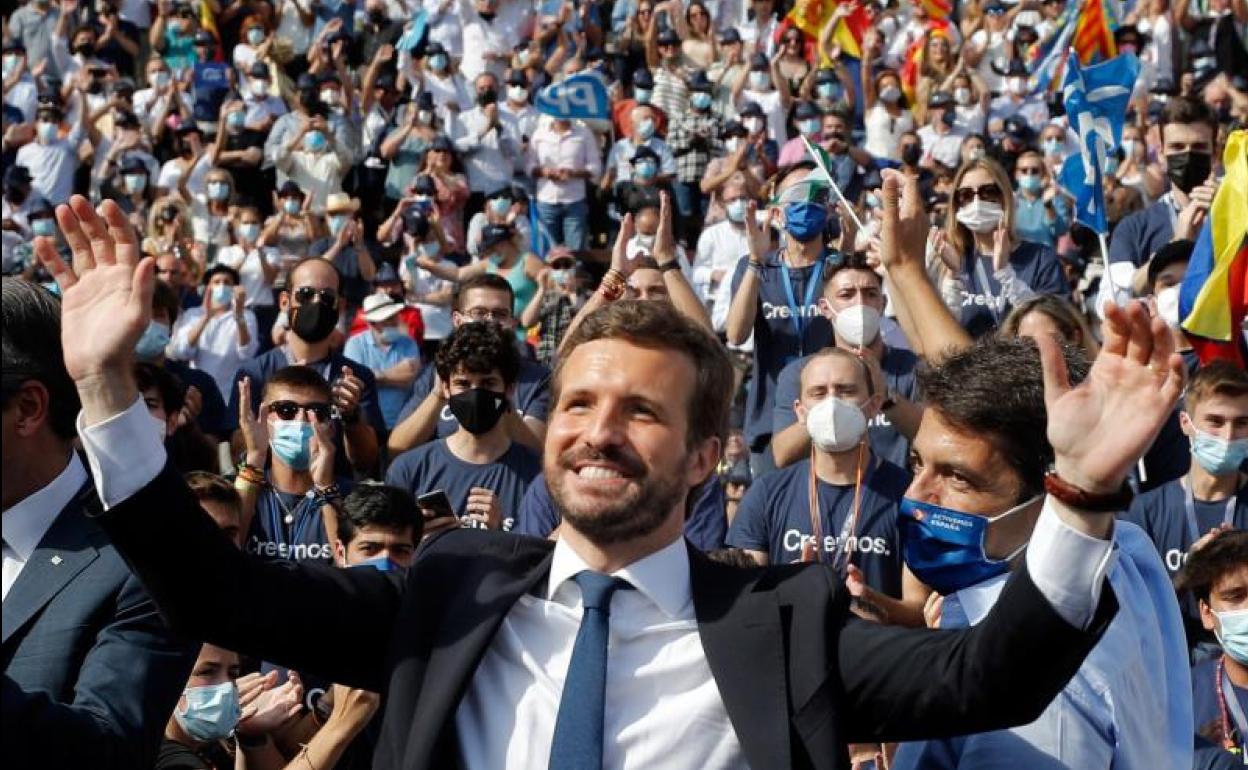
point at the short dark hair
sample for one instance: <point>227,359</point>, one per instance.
<point>995,389</point>
<point>304,377</point>
<point>209,487</point>
<point>482,281</point>
<point>1205,566</point>
<point>645,263</point>
<point>1183,109</point>
<point>172,393</point>
<point>660,326</point>
<point>372,504</point>
<point>479,347</point>
<point>32,351</point>
<point>164,296</point>
<point>856,260</point>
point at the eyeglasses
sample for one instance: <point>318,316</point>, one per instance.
<point>989,193</point>
<point>486,314</point>
<point>289,410</point>
<point>306,295</point>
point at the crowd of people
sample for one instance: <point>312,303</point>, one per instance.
<point>371,297</point>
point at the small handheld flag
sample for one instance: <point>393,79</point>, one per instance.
<point>823,167</point>
<point>580,97</point>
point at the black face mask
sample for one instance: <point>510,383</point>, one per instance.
<point>16,194</point>
<point>1187,170</point>
<point>911,154</point>
<point>397,296</point>
<point>487,16</point>
<point>478,410</point>
<point>313,322</point>
<point>377,16</point>
<point>85,49</point>
<point>488,96</point>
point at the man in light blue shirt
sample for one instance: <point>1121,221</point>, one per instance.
<point>1129,706</point>
<point>1040,215</point>
<point>389,351</point>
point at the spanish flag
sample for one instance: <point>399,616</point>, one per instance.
<point>1213,299</point>
<point>208,21</point>
<point>937,9</point>
<point>912,62</point>
<point>1094,39</point>
<point>810,16</point>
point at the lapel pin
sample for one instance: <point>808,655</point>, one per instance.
<point>56,561</point>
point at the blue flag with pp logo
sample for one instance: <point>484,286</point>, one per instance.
<point>580,97</point>
<point>1096,100</point>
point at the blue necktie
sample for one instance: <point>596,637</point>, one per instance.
<point>577,744</point>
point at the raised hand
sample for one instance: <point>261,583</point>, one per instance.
<point>664,242</point>
<point>347,392</point>
<point>354,707</point>
<point>903,232</point>
<point>109,293</point>
<point>1000,247</point>
<point>619,254</point>
<point>271,707</point>
<point>484,507</point>
<point>253,426</point>
<point>1099,429</point>
<point>322,468</point>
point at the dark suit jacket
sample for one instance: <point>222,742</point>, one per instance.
<point>799,675</point>
<point>91,672</point>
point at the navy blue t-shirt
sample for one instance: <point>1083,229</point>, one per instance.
<point>774,516</point>
<point>212,415</point>
<point>1138,236</point>
<point>1205,707</point>
<point>705,527</point>
<point>776,341</point>
<point>433,466</point>
<point>1169,457</point>
<point>532,395</point>
<point>260,368</point>
<point>984,308</point>
<point>1162,513</point>
<point>898,367</point>
<point>304,539</point>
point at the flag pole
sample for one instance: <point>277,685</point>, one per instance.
<point>819,162</point>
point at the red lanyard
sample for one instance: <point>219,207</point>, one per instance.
<point>841,557</point>
<point>1229,728</point>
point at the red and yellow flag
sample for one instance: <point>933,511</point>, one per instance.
<point>1094,40</point>
<point>937,9</point>
<point>810,16</point>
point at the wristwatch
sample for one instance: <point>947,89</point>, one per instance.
<point>673,265</point>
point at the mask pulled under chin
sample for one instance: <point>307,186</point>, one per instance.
<point>981,216</point>
<point>944,547</point>
<point>478,410</point>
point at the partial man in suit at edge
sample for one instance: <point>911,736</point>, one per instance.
<point>74,616</point>
<point>493,652</point>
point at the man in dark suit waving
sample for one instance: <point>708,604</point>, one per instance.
<point>617,646</point>
<point>90,671</point>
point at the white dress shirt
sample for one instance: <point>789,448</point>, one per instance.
<point>217,351</point>
<point>25,524</point>
<point>573,149</point>
<point>664,708</point>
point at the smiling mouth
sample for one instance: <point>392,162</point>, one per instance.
<point>598,473</point>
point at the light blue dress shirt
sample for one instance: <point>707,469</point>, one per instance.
<point>1031,220</point>
<point>1129,707</point>
<point>363,347</point>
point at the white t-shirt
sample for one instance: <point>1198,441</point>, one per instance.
<point>720,247</point>
<point>994,48</point>
<point>437,318</point>
<point>945,149</point>
<point>884,131</point>
<point>291,28</point>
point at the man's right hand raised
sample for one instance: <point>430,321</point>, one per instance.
<point>105,303</point>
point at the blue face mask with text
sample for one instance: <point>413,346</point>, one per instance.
<point>944,548</point>
<point>805,220</point>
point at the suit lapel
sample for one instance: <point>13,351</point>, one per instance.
<point>64,551</point>
<point>744,645</point>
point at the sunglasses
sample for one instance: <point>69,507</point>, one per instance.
<point>989,193</point>
<point>305,295</point>
<point>289,410</point>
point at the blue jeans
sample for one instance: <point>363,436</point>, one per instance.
<point>566,223</point>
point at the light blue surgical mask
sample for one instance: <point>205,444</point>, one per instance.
<point>1030,183</point>
<point>10,63</point>
<point>151,345</point>
<point>211,712</point>
<point>760,81</point>
<point>336,223</point>
<point>47,131</point>
<point>828,91</point>
<point>292,205</point>
<point>249,232</point>
<point>1053,146</point>
<point>218,191</point>
<point>45,226</point>
<point>645,129</point>
<point>873,201</point>
<point>811,126</point>
<point>255,36</point>
<point>1232,633</point>
<point>499,206</point>
<point>642,95</point>
<point>438,62</point>
<point>222,294</point>
<point>736,210</point>
<point>430,249</point>
<point>134,183</point>
<point>701,100</point>
<point>160,79</point>
<point>1219,456</point>
<point>645,169</point>
<point>561,277</point>
<point>314,141</point>
<point>236,119</point>
<point>292,443</point>
<point>392,334</point>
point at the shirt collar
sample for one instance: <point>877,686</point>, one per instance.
<point>977,600</point>
<point>27,522</point>
<point>662,577</point>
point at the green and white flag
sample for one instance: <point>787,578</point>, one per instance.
<point>822,175</point>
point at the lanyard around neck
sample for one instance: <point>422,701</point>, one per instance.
<point>1189,506</point>
<point>797,314</point>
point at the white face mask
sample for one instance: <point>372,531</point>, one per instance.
<point>517,94</point>
<point>835,425</point>
<point>962,95</point>
<point>890,94</point>
<point>754,125</point>
<point>760,81</point>
<point>259,88</point>
<point>981,216</point>
<point>858,325</point>
<point>1168,306</point>
<point>731,145</point>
